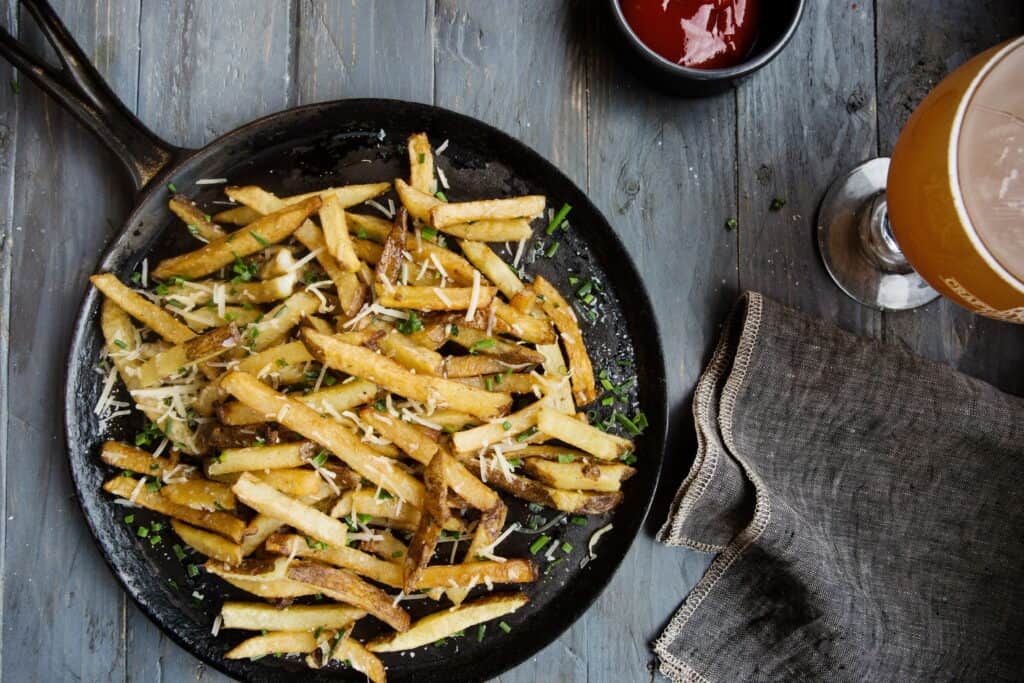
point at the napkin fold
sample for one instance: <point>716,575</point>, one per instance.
<point>865,506</point>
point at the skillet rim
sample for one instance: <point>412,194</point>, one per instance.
<point>557,623</point>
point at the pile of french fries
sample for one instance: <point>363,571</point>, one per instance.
<point>330,393</point>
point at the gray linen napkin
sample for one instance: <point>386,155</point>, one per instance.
<point>866,508</point>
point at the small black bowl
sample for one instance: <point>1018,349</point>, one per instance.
<point>779,20</point>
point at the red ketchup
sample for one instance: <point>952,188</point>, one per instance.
<point>701,34</point>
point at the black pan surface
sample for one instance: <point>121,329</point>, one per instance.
<point>348,141</point>
<point>356,141</point>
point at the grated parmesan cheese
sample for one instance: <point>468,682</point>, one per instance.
<point>442,296</point>
<point>211,181</point>
<point>474,298</point>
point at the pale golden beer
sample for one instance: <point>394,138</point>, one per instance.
<point>956,185</point>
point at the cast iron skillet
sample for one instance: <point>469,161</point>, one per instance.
<point>295,151</point>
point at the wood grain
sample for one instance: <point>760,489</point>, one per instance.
<point>63,613</point>
<point>910,63</point>
<point>805,119</point>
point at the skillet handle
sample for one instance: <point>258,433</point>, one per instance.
<point>80,89</point>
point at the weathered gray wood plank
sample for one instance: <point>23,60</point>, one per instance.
<point>63,612</point>
<point>365,49</point>
<point>913,57</point>
<point>204,72</point>
<point>805,119</point>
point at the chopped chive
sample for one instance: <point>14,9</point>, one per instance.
<point>535,507</point>
<point>172,188</point>
<point>120,344</point>
<point>411,324</point>
<point>640,420</point>
<point>552,250</point>
<point>397,554</point>
<point>566,458</point>
<point>557,220</point>
<point>515,462</point>
<point>256,236</point>
<point>732,224</point>
<point>552,565</point>
<point>428,232</point>
<point>585,289</point>
<point>422,157</point>
<point>128,519</point>
<point>607,401</point>
<point>319,630</point>
<point>573,281</point>
<point>361,233</point>
<point>155,540</point>
<point>526,435</point>
<point>15,86</point>
<point>506,425</point>
<point>142,532</point>
<point>627,424</point>
<point>480,631</point>
<point>488,384</point>
<point>567,547</point>
<point>440,195</point>
<point>364,518</point>
<point>629,458</point>
<point>136,278</point>
<point>539,544</point>
<point>777,204</point>
<point>480,345</point>
<point>579,521</point>
<point>504,627</point>
<point>178,552</point>
<point>192,571</point>
<point>320,459</point>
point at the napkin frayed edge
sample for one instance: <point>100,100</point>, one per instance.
<point>751,305</point>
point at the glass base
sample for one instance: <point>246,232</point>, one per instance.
<point>858,247</point>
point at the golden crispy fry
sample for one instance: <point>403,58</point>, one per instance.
<point>147,313</point>
<point>265,202</point>
<point>491,265</point>
<point>240,215</point>
<point>285,360</point>
<point>580,434</point>
<point>442,624</point>
<point>261,458</point>
<point>270,229</point>
<point>390,262</point>
<point>418,443</point>
<point>260,528</point>
<point>351,292</point>
<point>467,486</point>
<point>223,523</point>
<point>180,356</point>
<point>524,326</point>
<point>200,494</point>
<point>476,341</point>
<point>385,546</point>
<point>336,237</point>
<point>297,483</point>
<point>346,587</point>
<point>486,533</point>
<point>367,251</point>
<point>323,430</point>
<point>404,350</point>
<point>386,571</point>
<point>514,383</point>
<point>457,269</point>
<point>462,367</point>
<point>280,262</point>
<point>535,492</point>
<point>388,374</point>
<point>209,544</point>
<point>267,500</point>
<point>396,513</point>
<point>578,476</point>
<point>584,388</point>
<point>557,371</point>
<point>334,399</point>
<point>428,531</point>
<point>348,650</point>
<point>259,616</point>
<point>493,432</point>
<point>197,222</point>
<point>273,589</point>
<point>372,228</point>
<point>280,321</point>
<point>487,209</point>
<point>200,319</point>
<point>434,298</point>
<point>125,457</point>
<point>511,230</point>
<point>275,641</point>
<point>417,202</point>
<point>421,163</point>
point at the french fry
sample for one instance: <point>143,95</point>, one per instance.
<point>180,356</point>
<point>200,494</point>
<point>410,354</point>
<point>367,251</point>
<point>336,237</point>
<point>261,458</point>
<point>351,292</point>
<point>334,399</point>
<point>428,531</point>
<point>462,367</point>
<point>197,222</point>
<point>388,374</point>
<point>361,659</point>
<point>285,360</point>
<point>280,262</point>
<point>335,437</point>
<point>510,230</point>
<point>199,319</point>
<point>584,388</point>
<point>223,523</point>
<point>261,291</point>
<point>281,320</point>
<point>487,531</point>
<point>208,543</point>
<point>397,513</point>
<point>457,269</point>
<point>125,457</point>
<point>273,589</point>
<point>491,265</point>
<point>417,202</point>
<point>385,546</point>
<point>583,436</point>
<point>372,228</point>
<point>535,492</point>
<point>528,206</point>
<point>476,341</point>
<point>523,326</point>
<point>388,265</point>
<point>269,501</point>
<point>265,202</point>
<point>258,616</point>
<point>414,441</point>
<point>440,625</point>
<point>259,530</point>
<point>297,483</point>
<point>493,432</point>
<point>466,485</point>
<point>270,229</point>
<point>273,642</point>
<point>147,313</point>
<point>578,476</point>
<point>421,163</point>
<point>240,215</point>
<point>346,587</point>
<point>513,383</point>
<point>557,370</point>
<point>434,298</point>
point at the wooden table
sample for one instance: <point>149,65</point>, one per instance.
<point>667,173</point>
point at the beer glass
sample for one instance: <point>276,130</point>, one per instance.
<point>946,214</point>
